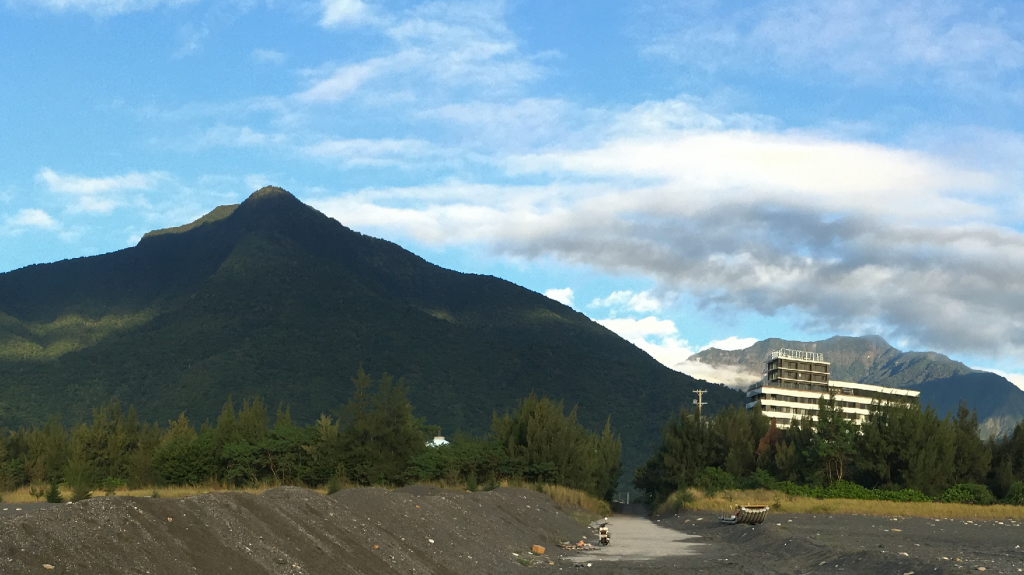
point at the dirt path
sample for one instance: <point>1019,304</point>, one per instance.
<point>639,539</point>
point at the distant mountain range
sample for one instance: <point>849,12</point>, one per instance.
<point>273,298</point>
<point>942,381</point>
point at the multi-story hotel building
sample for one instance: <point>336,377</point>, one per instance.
<point>793,381</point>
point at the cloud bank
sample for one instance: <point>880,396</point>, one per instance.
<point>849,235</point>
<point>97,195</point>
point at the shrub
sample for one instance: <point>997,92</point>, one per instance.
<point>333,485</point>
<point>37,491</point>
<point>53,494</point>
<point>712,480</point>
<point>678,500</point>
<point>793,490</point>
<point>843,489</point>
<point>77,477</point>
<point>1015,495</point>
<point>760,479</point>
<point>905,495</point>
<point>970,493</point>
<point>80,492</point>
<point>110,485</point>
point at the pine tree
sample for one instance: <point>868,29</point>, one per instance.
<point>832,444</point>
<point>973,457</point>
<point>382,434</point>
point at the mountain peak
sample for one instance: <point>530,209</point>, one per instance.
<point>267,192</point>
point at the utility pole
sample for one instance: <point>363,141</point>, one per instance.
<point>699,402</point>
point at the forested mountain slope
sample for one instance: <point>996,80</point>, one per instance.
<point>273,298</point>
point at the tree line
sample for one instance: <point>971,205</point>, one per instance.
<point>901,452</point>
<point>374,439</point>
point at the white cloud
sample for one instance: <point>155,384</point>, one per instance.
<point>268,56</point>
<point>705,168</point>
<point>366,152</point>
<point>731,343</point>
<point>31,218</point>
<point>436,47</point>
<point>842,232</point>
<point>100,195</point>
<point>631,329</point>
<point>342,82</point>
<point>337,12</point>
<point>642,302</point>
<point>669,351</point>
<point>658,337</point>
<point>973,44</point>
<point>522,124</point>
<point>235,137</point>
<point>563,295</point>
<point>727,375</point>
<point>100,7</point>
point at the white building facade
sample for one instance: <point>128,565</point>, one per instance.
<point>793,381</point>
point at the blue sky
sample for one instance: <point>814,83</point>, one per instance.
<point>688,173</point>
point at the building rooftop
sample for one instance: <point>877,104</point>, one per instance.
<point>796,354</point>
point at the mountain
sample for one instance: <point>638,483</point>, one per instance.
<point>942,381</point>
<point>273,298</point>
<point>867,359</point>
<point>1000,404</point>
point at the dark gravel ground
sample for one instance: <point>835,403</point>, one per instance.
<point>425,530</point>
<point>789,543</point>
<point>290,531</point>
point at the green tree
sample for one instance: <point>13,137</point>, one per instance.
<point>793,455</point>
<point>682,455</point>
<point>253,423</point>
<point>973,457</point>
<point>382,434</point>
<point>47,452</point>
<point>928,450</point>
<point>547,445</point>
<point>735,434</point>
<point>325,452</point>
<point>184,457</point>
<point>141,469</point>
<point>832,444</point>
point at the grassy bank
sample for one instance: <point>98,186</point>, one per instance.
<point>581,506</point>
<point>725,501</point>
<point>23,495</point>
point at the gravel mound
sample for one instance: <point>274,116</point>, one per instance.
<point>291,530</point>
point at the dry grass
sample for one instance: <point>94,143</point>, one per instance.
<point>727,500</point>
<point>23,494</point>
<point>580,505</point>
<point>566,499</point>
